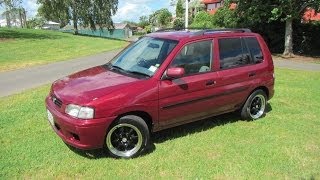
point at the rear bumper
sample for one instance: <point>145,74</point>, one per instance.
<point>271,88</point>
<point>271,94</point>
<point>82,134</point>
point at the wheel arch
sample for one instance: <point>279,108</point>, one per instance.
<point>144,115</point>
<point>263,88</point>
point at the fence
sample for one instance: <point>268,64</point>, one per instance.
<point>117,33</point>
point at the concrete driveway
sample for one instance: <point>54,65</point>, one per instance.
<point>13,82</point>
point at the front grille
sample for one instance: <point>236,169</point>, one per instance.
<point>56,101</point>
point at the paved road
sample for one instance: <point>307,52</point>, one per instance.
<point>16,81</point>
<point>297,65</point>
<point>13,82</point>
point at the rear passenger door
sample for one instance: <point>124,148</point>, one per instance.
<point>240,64</point>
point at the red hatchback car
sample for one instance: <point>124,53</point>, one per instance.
<point>163,80</point>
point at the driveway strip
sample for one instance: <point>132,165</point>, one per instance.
<point>13,82</point>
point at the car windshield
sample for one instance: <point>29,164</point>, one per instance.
<point>144,57</point>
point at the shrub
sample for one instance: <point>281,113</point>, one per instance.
<point>203,20</point>
<point>178,23</point>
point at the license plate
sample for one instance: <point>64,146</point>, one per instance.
<point>50,118</point>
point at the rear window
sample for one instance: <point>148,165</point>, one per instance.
<point>254,48</point>
<point>233,53</point>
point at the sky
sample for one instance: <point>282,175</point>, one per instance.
<point>129,10</point>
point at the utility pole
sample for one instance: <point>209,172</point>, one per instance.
<point>187,14</point>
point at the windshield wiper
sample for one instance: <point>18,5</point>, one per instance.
<point>117,67</point>
<point>139,73</point>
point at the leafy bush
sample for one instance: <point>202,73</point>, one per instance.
<point>178,23</point>
<point>203,20</point>
<point>225,17</point>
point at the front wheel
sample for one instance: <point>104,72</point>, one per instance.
<point>255,105</point>
<point>128,137</point>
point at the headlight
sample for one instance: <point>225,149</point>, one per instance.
<point>79,112</point>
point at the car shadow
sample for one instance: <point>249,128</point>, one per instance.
<point>174,133</point>
<point>194,127</point>
<point>199,126</point>
<point>90,154</point>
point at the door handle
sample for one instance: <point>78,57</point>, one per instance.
<point>210,82</point>
<point>251,74</point>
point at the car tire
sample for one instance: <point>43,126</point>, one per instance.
<point>128,137</point>
<point>255,106</point>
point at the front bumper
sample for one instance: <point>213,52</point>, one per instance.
<point>82,134</point>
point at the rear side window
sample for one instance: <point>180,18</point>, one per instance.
<point>233,53</point>
<point>254,48</point>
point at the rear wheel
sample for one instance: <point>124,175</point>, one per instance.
<point>255,105</point>
<point>128,137</point>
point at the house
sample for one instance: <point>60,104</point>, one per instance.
<point>310,15</point>
<point>127,29</point>
<point>211,6</point>
<point>13,23</point>
<point>50,25</point>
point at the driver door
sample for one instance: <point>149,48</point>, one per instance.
<point>192,96</point>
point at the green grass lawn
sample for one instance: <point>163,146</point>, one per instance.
<point>21,48</point>
<point>284,145</point>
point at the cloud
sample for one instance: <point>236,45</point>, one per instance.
<point>132,10</point>
<point>129,10</point>
<point>31,7</point>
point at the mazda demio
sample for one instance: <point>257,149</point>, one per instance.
<point>164,79</point>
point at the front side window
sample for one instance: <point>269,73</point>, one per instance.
<point>195,57</point>
<point>233,53</point>
<point>144,57</point>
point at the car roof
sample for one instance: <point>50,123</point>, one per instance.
<point>180,34</point>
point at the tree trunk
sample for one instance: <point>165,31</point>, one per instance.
<point>75,26</point>
<point>8,18</point>
<point>20,18</point>
<point>288,44</point>
<point>24,18</point>
<point>75,18</point>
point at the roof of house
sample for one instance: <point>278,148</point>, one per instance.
<point>311,15</point>
<point>120,25</point>
<point>52,23</point>
<point>210,1</point>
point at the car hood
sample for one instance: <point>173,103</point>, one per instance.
<point>91,84</point>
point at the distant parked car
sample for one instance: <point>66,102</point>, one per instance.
<point>165,79</point>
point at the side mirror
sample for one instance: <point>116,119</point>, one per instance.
<point>176,72</point>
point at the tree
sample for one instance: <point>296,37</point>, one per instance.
<point>35,22</point>
<point>179,9</point>
<point>161,17</point>
<point>203,20</point>
<point>178,23</point>
<point>164,17</point>
<point>57,11</point>
<point>195,6</point>
<point>11,10</point>
<point>88,13</point>
<point>288,11</point>
<point>249,13</point>
<point>224,17</point>
<point>143,21</point>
